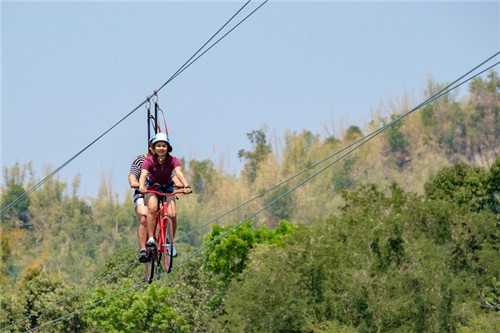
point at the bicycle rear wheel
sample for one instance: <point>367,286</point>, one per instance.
<point>150,265</point>
<point>167,247</point>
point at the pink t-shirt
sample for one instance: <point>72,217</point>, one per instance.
<point>160,173</point>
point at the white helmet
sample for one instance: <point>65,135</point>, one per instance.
<point>162,137</point>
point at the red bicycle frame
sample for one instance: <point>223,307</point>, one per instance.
<point>163,235</point>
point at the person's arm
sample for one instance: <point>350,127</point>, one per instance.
<point>180,175</point>
<point>177,182</point>
<point>135,171</point>
<point>132,179</point>
<point>142,181</point>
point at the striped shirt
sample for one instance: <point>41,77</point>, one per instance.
<point>135,168</point>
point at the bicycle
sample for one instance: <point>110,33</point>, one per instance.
<point>163,234</point>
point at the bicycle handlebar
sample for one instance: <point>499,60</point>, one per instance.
<point>151,189</point>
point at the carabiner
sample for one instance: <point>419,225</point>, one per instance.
<point>147,105</point>
<point>154,97</point>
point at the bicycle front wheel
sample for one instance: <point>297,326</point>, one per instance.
<point>167,247</point>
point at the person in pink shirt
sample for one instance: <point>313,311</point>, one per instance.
<point>159,166</point>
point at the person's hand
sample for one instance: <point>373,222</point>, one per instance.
<point>135,185</point>
<point>143,190</point>
<point>187,189</point>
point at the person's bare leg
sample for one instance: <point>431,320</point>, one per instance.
<point>172,213</point>
<point>151,219</point>
<point>142,230</point>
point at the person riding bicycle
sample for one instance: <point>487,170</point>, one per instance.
<point>158,169</point>
<point>140,208</point>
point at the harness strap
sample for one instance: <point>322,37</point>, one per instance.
<point>157,106</point>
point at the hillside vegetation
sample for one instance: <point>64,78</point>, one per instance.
<point>402,236</point>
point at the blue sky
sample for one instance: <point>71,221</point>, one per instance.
<point>72,70</point>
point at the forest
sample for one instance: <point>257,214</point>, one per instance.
<point>402,235</point>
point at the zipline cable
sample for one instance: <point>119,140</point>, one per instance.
<point>187,64</point>
<point>179,71</point>
<point>215,43</point>
<point>360,142</point>
<point>53,173</point>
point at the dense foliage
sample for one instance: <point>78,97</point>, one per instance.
<point>402,236</point>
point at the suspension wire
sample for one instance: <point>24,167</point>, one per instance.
<point>157,127</point>
<point>148,109</point>
<point>187,64</point>
<point>180,70</point>
<point>53,173</point>
<point>190,61</point>
<point>215,43</point>
<point>357,144</point>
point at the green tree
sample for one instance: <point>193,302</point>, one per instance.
<point>135,311</point>
<point>494,186</point>
<point>460,183</point>
<point>281,209</point>
<point>40,298</point>
<point>297,152</point>
<point>353,133</point>
<point>194,293</point>
<point>228,256</point>
<point>398,145</point>
<point>427,115</point>
<point>202,178</point>
<point>18,215</point>
<point>119,266</point>
<point>114,224</point>
<point>390,262</point>
<point>342,178</point>
<point>486,93</point>
<point>261,149</point>
<point>11,252</point>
